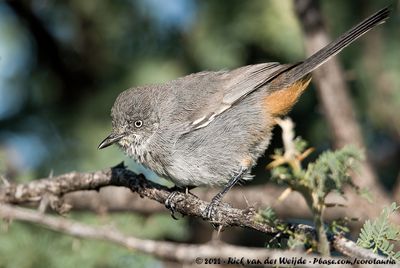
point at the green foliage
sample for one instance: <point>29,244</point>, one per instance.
<point>339,226</point>
<point>268,216</point>
<point>331,171</point>
<point>286,238</point>
<point>380,235</point>
<point>300,144</point>
<point>299,241</point>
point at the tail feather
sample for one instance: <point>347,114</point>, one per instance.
<point>324,54</point>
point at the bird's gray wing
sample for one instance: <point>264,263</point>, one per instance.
<point>224,89</point>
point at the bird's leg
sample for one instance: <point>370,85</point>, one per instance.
<point>187,190</point>
<point>210,209</point>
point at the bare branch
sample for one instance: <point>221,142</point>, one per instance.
<point>349,248</point>
<point>117,199</point>
<point>187,204</point>
<point>183,253</point>
<point>288,137</point>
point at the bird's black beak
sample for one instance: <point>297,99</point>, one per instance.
<point>111,139</point>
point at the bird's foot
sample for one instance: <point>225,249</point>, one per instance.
<point>170,203</point>
<point>210,211</point>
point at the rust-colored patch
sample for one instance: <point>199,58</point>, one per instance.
<point>247,162</point>
<point>279,102</point>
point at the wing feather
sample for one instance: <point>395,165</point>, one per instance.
<point>234,85</point>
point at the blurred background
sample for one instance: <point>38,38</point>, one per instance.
<point>63,63</point>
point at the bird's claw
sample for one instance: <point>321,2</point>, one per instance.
<point>209,212</point>
<point>170,205</point>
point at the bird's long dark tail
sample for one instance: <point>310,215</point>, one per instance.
<point>333,48</point>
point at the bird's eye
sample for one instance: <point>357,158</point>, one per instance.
<point>138,123</point>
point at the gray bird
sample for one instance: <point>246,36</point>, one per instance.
<point>209,128</point>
